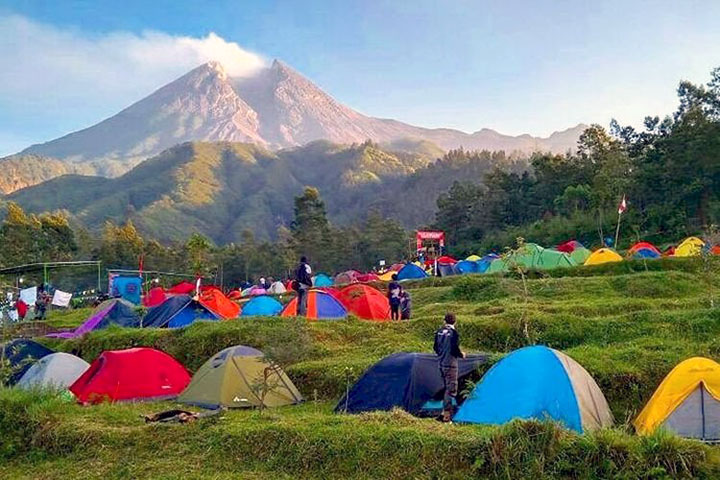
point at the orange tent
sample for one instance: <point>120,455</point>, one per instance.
<point>366,302</point>
<point>320,305</point>
<point>215,301</point>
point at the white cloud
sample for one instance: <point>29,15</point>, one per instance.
<point>43,64</point>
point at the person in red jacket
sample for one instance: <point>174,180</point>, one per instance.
<point>22,309</point>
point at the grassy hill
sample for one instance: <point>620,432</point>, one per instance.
<point>627,325</point>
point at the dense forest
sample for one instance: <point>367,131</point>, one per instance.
<point>669,172</point>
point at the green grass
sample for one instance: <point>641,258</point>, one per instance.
<point>627,326</point>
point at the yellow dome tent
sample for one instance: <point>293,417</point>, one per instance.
<point>603,255</point>
<point>473,258</point>
<point>690,247</point>
<point>387,276</point>
<point>686,402</point>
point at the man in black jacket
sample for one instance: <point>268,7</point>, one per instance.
<point>303,277</point>
<point>447,348</point>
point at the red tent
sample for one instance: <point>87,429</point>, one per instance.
<point>365,302</point>
<point>235,295</point>
<point>132,374</point>
<point>715,250</point>
<point>569,247</point>
<point>182,288</point>
<point>154,297</point>
<point>346,278</point>
<point>216,301</point>
<point>396,267</point>
<point>368,277</point>
<point>644,246</point>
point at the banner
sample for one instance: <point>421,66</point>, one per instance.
<point>430,235</point>
<point>29,295</point>
<point>61,299</point>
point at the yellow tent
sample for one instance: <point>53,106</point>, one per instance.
<point>690,247</point>
<point>691,384</point>
<point>387,276</point>
<point>473,258</point>
<point>603,255</point>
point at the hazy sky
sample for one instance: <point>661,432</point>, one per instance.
<point>515,66</point>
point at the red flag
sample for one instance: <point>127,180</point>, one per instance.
<point>623,206</point>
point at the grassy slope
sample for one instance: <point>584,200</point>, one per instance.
<point>627,329</point>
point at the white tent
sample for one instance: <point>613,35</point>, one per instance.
<point>57,370</point>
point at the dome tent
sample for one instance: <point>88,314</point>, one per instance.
<point>365,302</point>
<point>537,382</point>
<point>603,255</point>
<point>231,378</point>
<point>57,371</point>
<point>177,311</point>
<point>320,306</point>
<point>261,305</point>
<point>322,280</point>
<point>20,355</point>
<point>690,247</point>
<point>532,256</point>
<point>411,272</point>
<point>115,312</point>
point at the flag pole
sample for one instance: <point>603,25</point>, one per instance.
<point>617,230</point>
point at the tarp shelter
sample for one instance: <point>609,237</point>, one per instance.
<point>127,287</point>
<point>114,312</point>
<point>603,255</point>
<point>365,302</point>
<point>262,306</point>
<point>532,256</point>
<point>182,288</point>
<point>686,402</point>
<point>322,280</point>
<point>177,311</point>
<point>154,297</point>
<point>57,371</point>
<point>690,247</point>
<point>216,301</point>
<point>277,288</point>
<point>320,306</point>
<point>346,278</point>
<point>403,380</point>
<point>537,382</point>
<point>411,272</point>
<point>235,377</point>
<point>20,355</point>
<point>132,374</point>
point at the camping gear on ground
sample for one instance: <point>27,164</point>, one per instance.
<point>177,311</point>
<point>686,402</point>
<point>21,354</point>
<point>603,255</point>
<point>403,380</point>
<point>179,416</point>
<point>365,302</point>
<point>113,312</point>
<point>132,374</point>
<point>216,301</point>
<point>322,280</point>
<point>541,383</point>
<point>154,297</point>
<point>690,247</point>
<point>54,371</point>
<point>127,287</point>
<point>261,306</point>
<point>236,378</point>
<point>411,272</point>
<point>321,305</point>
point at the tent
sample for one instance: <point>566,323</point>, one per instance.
<point>365,302</point>
<point>715,250</point>
<point>216,301</point>
<point>20,355</point>
<point>57,370</point>
<point>484,262</point>
<point>532,256</point>
<point>644,250</point>
<point>261,306</point>
<point>467,266</point>
<point>234,295</point>
<point>368,277</point>
<point>346,278</point>
<point>277,288</point>
<point>396,267</point>
<point>603,255</point>
<point>177,311</point>
<point>127,287</point>
<point>248,291</point>
<point>234,378</point>
<point>446,259</point>
<point>686,402</point>
<point>322,280</point>
<point>580,255</point>
<point>537,382</point>
<point>387,276</point>
<point>447,269</point>
<point>182,288</point>
<point>473,258</point>
<point>569,246</point>
<point>410,272</point>
<point>115,312</point>
<point>132,374</point>
<point>320,305</point>
<point>690,247</point>
<point>154,297</point>
<point>404,380</point>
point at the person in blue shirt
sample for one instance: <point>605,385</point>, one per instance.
<point>447,348</point>
<point>394,294</point>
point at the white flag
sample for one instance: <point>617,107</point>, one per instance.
<point>622,207</point>
<point>61,299</point>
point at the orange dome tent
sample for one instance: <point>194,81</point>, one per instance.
<point>216,301</point>
<point>366,302</point>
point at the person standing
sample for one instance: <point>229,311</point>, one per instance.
<point>405,305</point>
<point>394,293</point>
<point>303,283</point>
<point>447,348</point>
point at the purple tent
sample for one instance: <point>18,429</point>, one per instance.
<point>117,312</point>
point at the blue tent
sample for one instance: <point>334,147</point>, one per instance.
<point>21,355</point>
<point>541,383</point>
<point>484,262</point>
<point>322,280</point>
<point>404,380</point>
<point>467,266</point>
<point>128,288</point>
<point>261,305</point>
<point>122,314</point>
<point>645,253</point>
<point>411,271</point>
<point>175,312</point>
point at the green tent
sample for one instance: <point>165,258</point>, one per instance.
<point>579,255</point>
<point>236,378</point>
<point>533,257</point>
